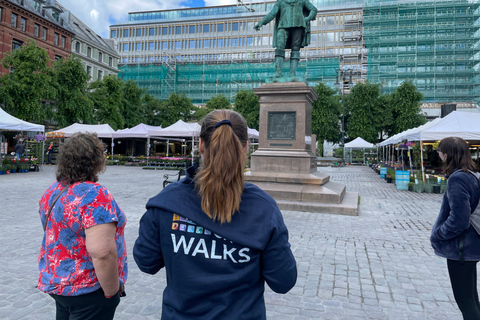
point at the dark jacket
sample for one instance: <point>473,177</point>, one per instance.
<point>453,228</point>
<point>215,271</point>
<point>19,148</point>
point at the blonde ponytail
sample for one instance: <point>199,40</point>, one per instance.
<point>220,180</point>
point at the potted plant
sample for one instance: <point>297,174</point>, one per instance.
<point>7,168</point>
<point>2,169</point>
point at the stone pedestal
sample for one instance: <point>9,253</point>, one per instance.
<point>284,164</point>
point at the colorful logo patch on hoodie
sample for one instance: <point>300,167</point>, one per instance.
<point>191,227</point>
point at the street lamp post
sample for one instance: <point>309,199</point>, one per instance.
<point>339,86</point>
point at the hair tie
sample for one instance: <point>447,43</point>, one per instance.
<point>218,124</point>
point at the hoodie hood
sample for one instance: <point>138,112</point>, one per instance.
<point>258,211</point>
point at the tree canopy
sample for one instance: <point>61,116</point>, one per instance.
<point>326,115</point>
<point>28,84</point>
<point>247,103</point>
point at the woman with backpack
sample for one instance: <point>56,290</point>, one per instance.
<point>453,236</point>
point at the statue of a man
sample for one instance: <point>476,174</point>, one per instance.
<point>292,30</point>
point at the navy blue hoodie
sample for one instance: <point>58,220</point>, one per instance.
<point>215,271</point>
<point>453,223</point>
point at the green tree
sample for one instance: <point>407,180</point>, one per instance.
<point>107,97</point>
<point>72,101</point>
<point>406,112</point>
<point>326,115</point>
<point>215,102</point>
<point>177,107</point>
<point>247,103</point>
<point>133,112</point>
<point>152,110</point>
<point>24,89</point>
<point>366,115</point>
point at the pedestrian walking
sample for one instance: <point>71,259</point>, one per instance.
<point>19,149</point>
<point>83,257</point>
<point>453,237</point>
<point>219,238</point>
<point>50,153</point>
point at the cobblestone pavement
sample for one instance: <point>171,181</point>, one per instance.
<point>378,265</point>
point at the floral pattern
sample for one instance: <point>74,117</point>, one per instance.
<point>65,266</point>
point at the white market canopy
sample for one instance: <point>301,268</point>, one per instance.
<point>359,143</point>
<point>465,125</point>
<point>102,130</point>
<point>456,124</point>
<point>178,129</point>
<point>252,133</point>
<point>139,131</point>
<point>9,122</point>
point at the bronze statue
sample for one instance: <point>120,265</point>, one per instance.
<point>292,30</point>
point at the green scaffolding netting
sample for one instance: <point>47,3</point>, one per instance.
<point>202,81</point>
<point>433,43</point>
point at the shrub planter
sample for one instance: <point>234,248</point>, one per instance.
<point>436,189</point>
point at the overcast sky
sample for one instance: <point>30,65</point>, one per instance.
<point>100,14</point>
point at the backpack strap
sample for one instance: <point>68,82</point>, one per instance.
<point>47,216</point>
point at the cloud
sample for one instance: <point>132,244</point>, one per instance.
<point>209,3</point>
<point>99,14</point>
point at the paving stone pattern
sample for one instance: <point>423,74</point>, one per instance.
<point>378,265</point>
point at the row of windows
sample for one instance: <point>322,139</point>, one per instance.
<point>233,56</point>
<point>21,22</point>
<point>222,42</point>
<point>100,74</point>
<point>89,54</point>
<point>335,19</point>
<point>215,11</point>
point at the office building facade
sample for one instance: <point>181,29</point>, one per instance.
<point>215,50</point>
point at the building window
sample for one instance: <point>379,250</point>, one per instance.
<point>99,74</point>
<point>151,31</point>
<point>14,20</point>
<point>139,32</point>
<point>178,30</point>
<point>110,61</point>
<point>220,27</point>
<point>206,28</point>
<point>44,33</point>
<point>57,58</point>
<point>16,44</point>
<point>234,42</point>
<point>220,43</point>
<point>178,45</point>
<point>235,26</point>
<point>1,14</point>
<point>55,39</point>
<point>23,24</point>
<point>205,43</point>
<point>100,57</point>
<point>89,52</point>
<point>125,47</point>
<point>77,46</point>
<point>139,47</point>
<point>36,30</point>
<point>89,71</point>
<point>63,41</point>
<point>151,46</point>
<point>125,33</point>
<point>125,60</point>
<point>165,45</point>
<point>113,34</point>
<point>192,29</point>
<point>164,31</point>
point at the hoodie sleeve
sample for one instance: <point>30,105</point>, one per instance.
<point>279,268</point>
<point>147,251</point>
<point>459,218</point>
